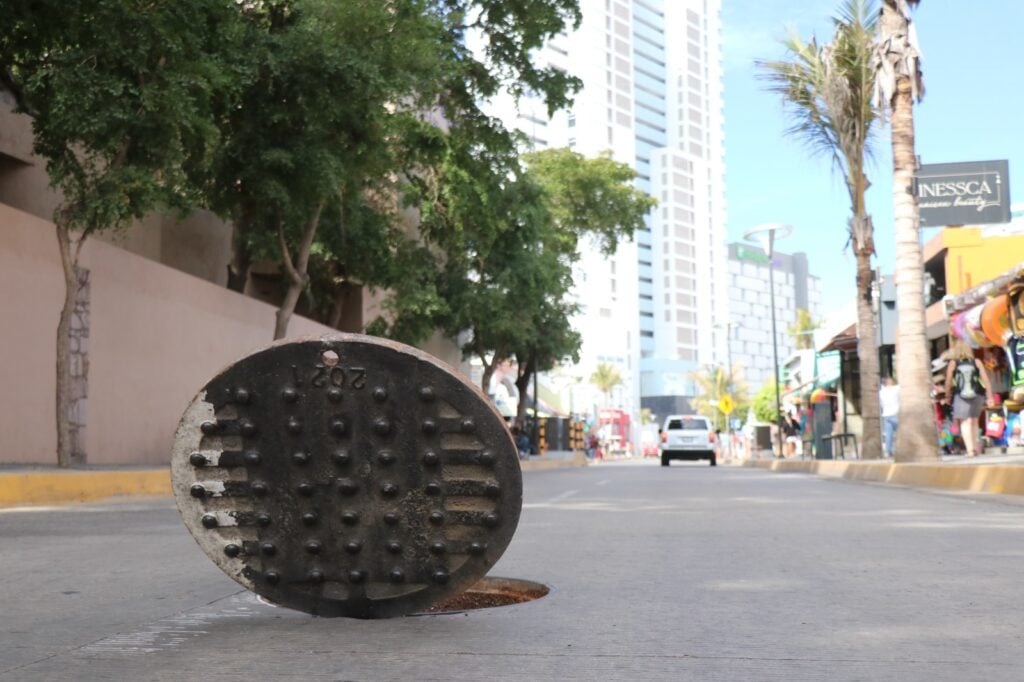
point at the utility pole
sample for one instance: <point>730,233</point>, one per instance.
<point>767,234</point>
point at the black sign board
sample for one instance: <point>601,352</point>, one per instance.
<point>973,193</point>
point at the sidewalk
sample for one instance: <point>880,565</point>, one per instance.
<point>1001,474</point>
<point>40,485</point>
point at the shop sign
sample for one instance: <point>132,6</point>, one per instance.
<point>974,193</point>
<point>828,368</point>
<point>752,255</point>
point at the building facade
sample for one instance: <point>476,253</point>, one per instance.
<point>750,323</point>
<point>652,97</point>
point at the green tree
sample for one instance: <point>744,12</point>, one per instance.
<point>715,383</point>
<point>828,90</point>
<point>590,197</point>
<point>311,141</point>
<point>606,377</point>
<point>121,95</point>
<point>803,328</point>
<point>506,238</point>
<point>585,198</point>
<point>485,226</point>
<point>552,339</point>
<point>898,68</point>
<point>765,409</point>
<point>356,91</point>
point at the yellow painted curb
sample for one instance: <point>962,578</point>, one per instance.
<point>63,487</point>
<point>578,460</point>
<point>1004,479</point>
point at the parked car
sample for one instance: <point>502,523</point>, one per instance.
<point>687,437</point>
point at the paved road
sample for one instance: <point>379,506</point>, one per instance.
<point>685,573</point>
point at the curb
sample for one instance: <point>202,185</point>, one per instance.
<point>1002,479</point>
<point>578,460</point>
<point>71,486</point>
<point>64,487</point>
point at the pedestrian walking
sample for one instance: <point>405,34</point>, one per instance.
<point>522,442</point>
<point>791,430</point>
<point>889,399</point>
<point>967,386</point>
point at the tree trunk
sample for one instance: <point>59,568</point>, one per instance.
<point>485,380</point>
<point>296,271</point>
<point>337,306</point>
<point>916,439</point>
<point>523,385</point>
<point>867,351</point>
<point>63,387</point>
<point>284,313</point>
<point>241,259</point>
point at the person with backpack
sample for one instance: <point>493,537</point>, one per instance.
<point>967,387</point>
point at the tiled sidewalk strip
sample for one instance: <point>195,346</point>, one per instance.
<point>1005,479</point>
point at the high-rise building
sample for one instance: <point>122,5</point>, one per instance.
<point>750,324</point>
<point>652,96</point>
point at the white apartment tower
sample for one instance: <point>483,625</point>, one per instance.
<point>652,95</point>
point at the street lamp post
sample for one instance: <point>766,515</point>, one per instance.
<point>728,357</point>
<point>766,235</point>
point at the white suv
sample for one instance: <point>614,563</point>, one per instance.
<point>687,436</point>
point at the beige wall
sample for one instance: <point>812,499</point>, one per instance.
<point>15,130</point>
<point>31,283</point>
<point>199,244</point>
<point>156,336</point>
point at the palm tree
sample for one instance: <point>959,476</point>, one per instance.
<point>713,384</point>
<point>802,329</point>
<point>828,91</point>
<point>898,82</point>
<point>606,378</point>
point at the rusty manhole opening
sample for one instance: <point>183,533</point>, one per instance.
<point>488,593</point>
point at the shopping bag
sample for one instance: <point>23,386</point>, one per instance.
<point>995,426</point>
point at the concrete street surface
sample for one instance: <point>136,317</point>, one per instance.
<point>684,573</point>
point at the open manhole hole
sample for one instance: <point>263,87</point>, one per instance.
<point>488,593</point>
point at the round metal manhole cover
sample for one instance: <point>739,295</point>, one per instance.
<point>347,476</point>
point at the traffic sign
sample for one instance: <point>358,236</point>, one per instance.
<point>725,404</point>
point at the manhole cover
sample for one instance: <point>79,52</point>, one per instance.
<point>347,476</point>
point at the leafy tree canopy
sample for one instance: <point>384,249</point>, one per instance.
<point>120,93</point>
<point>764,404</point>
<point>590,197</point>
<point>606,377</point>
<point>802,329</point>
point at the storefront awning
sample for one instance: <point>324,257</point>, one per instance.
<point>843,341</point>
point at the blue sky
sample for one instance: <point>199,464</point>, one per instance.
<point>973,110</point>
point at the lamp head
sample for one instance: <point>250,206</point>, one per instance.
<point>767,234</point>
